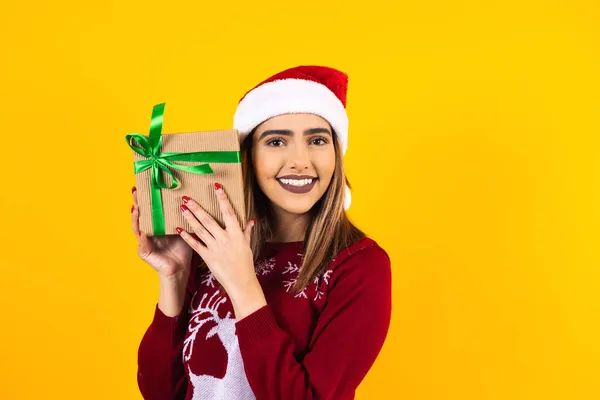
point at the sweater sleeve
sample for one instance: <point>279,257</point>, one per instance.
<point>348,337</point>
<point>161,375</point>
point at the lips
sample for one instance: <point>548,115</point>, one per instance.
<point>298,189</point>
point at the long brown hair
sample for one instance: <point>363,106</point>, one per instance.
<point>329,230</point>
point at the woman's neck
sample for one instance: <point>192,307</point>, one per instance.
<point>289,227</point>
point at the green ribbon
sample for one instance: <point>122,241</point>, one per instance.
<point>158,161</point>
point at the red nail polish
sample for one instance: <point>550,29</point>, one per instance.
<point>217,186</point>
<point>132,208</point>
<point>185,199</point>
<point>133,189</point>
<point>179,230</point>
<point>139,232</point>
<point>254,221</point>
<point>184,207</point>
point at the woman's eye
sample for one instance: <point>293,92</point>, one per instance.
<point>320,138</point>
<point>272,141</point>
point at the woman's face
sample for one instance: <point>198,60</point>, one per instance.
<point>294,159</point>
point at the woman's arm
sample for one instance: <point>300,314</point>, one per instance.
<point>160,366</point>
<point>348,337</point>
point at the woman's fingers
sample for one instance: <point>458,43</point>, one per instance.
<point>135,199</point>
<point>134,222</point>
<point>144,246</point>
<point>248,230</point>
<point>193,243</point>
<point>201,222</point>
<point>135,214</point>
<point>231,222</point>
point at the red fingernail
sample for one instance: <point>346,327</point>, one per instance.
<point>217,186</point>
<point>132,208</point>
<point>139,232</point>
<point>185,199</point>
<point>179,230</point>
<point>184,207</point>
<point>254,221</point>
<point>133,189</point>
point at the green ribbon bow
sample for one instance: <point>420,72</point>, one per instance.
<point>151,149</point>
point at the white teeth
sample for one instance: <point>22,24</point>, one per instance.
<point>297,182</point>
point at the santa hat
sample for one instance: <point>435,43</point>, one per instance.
<point>304,89</point>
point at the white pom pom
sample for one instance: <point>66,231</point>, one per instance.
<point>347,199</point>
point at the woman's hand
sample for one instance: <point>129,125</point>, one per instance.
<point>226,252</point>
<point>169,255</point>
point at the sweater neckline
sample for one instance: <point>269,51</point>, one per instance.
<point>284,245</point>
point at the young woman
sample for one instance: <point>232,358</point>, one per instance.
<point>296,306</point>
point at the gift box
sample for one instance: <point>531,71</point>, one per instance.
<point>170,166</point>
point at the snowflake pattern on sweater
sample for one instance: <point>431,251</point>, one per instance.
<point>292,270</point>
<point>211,307</point>
<point>265,267</point>
<point>282,349</point>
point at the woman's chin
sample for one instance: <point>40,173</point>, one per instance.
<point>299,206</point>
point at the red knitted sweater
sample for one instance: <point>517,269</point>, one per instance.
<point>318,344</point>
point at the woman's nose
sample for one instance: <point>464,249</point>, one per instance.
<point>300,156</point>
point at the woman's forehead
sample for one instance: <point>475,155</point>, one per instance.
<point>294,121</point>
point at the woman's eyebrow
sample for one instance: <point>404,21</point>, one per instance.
<point>287,132</point>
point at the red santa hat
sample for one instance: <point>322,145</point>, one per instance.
<point>310,89</point>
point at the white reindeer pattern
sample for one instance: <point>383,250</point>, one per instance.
<point>234,385</point>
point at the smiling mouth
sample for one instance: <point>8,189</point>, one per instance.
<point>298,185</point>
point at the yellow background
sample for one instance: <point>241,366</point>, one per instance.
<point>474,154</point>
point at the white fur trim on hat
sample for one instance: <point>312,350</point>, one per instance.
<point>286,96</point>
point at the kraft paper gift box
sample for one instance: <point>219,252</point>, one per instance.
<point>170,166</point>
